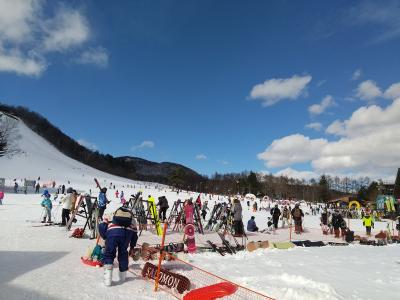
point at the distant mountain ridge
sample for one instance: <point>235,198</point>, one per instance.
<point>130,167</point>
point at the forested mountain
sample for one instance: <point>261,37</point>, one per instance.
<point>129,167</point>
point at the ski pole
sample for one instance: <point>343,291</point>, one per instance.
<point>160,257</point>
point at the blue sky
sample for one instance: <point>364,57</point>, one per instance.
<point>177,80</point>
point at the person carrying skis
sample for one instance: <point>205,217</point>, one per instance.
<point>237,218</point>
<point>103,201</point>
<point>297,215</point>
<point>120,234</point>
<point>368,222</point>
<point>66,202</point>
<point>198,202</point>
<point>37,188</point>
<point>47,205</point>
<point>163,204</point>
<point>251,225</point>
<point>275,213</point>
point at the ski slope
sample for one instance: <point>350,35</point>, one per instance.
<point>44,263</point>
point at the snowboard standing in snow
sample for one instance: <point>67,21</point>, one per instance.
<point>189,228</point>
<point>154,215</point>
<point>74,212</point>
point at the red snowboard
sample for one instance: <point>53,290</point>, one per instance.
<point>212,292</point>
<point>91,263</point>
<point>189,228</point>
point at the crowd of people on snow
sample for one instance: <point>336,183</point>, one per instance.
<point>120,231</point>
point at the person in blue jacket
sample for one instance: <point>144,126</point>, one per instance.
<point>102,203</point>
<point>47,205</point>
<point>251,225</point>
<point>120,234</point>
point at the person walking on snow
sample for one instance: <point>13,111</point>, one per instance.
<point>275,213</point>
<point>368,222</point>
<point>103,201</point>
<point>204,209</point>
<point>285,216</point>
<point>122,198</point>
<point>237,218</point>
<point>325,221</point>
<point>1,197</point>
<point>66,202</point>
<point>47,205</point>
<point>116,194</point>
<point>297,215</point>
<point>118,236</point>
<point>163,204</point>
<point>16,188</point>
<point>37,188</point>
<point>337,221</point>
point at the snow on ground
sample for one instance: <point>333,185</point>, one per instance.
<point>44,263</point>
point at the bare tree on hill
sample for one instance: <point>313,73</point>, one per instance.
<point>9,135</point>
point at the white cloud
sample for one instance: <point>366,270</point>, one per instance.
<point>336,128</point>
<point>316,126</point>
<point>317,109</point>
<point>290,150</point>
<point>224,162</point>
<point>87,144</point>
<point>16,18</point>
<point>393,91</point>
<point>94,56</point>
<point>368,145</point>
<point>368,90</point>
<point>382,16</point>
<point>356,75</point>
<point>292,173</point>
<point>69,28</point>
<point>277,89</point>
<point>30,29</point>
<point>201,157</point>
<point>18,63</point>
<point>144,144</point>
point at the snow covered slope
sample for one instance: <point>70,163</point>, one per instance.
<point>41,159</point>
<point>44,263</point>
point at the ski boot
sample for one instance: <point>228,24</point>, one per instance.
<point>44,220</point>
<point>122,276</point>
<point>108,270</point>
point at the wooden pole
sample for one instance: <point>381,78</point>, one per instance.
<point>160,257</point>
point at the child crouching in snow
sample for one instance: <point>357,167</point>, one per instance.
<point>46,203</point>
<point>118,235</point>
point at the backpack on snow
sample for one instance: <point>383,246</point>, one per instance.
<point>123,217</point>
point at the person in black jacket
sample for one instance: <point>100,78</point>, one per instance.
<point>297,215</point>
<point>275,213</point>
<point>163,204</point>
<point>324,221</point>
<point>337,221</point>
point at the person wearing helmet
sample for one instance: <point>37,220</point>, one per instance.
<point>47,205</point>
